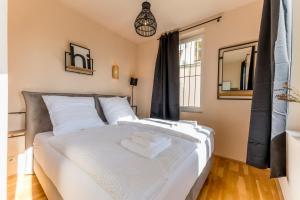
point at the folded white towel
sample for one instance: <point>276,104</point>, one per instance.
<point>149,140</point>
<point>150,152</point>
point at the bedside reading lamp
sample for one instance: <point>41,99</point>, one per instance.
<point>133,82</point>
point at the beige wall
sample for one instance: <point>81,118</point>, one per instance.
<point>291,184</point>
<point>40,31</point>
<point>232,73</point>
<point>39,34</point>
<point>230,119</point>
<point>4,98</point>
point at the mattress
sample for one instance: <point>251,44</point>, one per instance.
<point>74,183</point>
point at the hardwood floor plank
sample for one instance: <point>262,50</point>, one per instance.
<point>25,187</point>
<point>228,180</point>
<point>231,179</point>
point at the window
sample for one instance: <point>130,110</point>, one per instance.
<point>190,55</point>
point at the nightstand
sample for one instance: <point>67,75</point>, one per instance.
<point>134,108</point>
<point>16,148</point>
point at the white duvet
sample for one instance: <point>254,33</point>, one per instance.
<point>121,173</point>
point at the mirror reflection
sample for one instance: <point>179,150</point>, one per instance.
<point>236,71</point>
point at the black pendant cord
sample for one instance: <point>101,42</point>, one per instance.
<point>194,26</point>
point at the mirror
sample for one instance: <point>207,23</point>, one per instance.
<point>236,71</point>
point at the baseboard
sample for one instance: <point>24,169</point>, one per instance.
<point>216,155</point>
<point>279,189</point>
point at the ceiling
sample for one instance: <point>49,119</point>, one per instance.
<point>119,15</point>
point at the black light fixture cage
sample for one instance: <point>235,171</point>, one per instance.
<point>133,81</point>
<point>145,23</point>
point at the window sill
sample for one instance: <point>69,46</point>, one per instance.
<point>191,110</point>
<point>295,134</point>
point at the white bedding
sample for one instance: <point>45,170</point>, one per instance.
<point>177,178</point>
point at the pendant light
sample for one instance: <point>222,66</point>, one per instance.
<point>145,23</point>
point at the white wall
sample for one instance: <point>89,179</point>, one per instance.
<point>39,34</point>
<point>3,99</point>
<point>290,185</point>
<point>232,73</point>
<point>230,119</point>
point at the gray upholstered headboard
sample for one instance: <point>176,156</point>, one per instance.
<point>37,116</point>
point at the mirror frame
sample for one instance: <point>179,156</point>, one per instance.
<point>239,94</point>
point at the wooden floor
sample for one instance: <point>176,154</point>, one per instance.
<point>229,180</point>
<point>25,187</point>
<point>233,180</point>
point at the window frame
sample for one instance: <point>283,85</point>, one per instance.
<point>192,109</point>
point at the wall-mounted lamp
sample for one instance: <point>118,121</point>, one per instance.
<point>115,71</point>
<point>133,82</point>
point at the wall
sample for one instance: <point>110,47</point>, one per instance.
<point>3,99</point>
<point>232,73</point>
<point>230,119</point>
<point>39,34</point>
<point>290,185</point>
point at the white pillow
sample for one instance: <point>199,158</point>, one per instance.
<point>70,114</point>
<point>116,109</point>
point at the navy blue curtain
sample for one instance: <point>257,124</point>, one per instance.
<point>251,69</point>
<point>243,75</point>
<point>165,95</point>
<point>267,136</point>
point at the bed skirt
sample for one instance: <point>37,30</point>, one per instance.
<point>47,185</point>
<point>53,194</point>
<point>194,192</point>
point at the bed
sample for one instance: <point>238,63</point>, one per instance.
<point>62,176</point>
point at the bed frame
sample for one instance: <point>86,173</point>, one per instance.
<point>38,121</point>
<point>37,116</point>
<point>52,193</point>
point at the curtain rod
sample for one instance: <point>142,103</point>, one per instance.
<point>196,25</point>
<point>200,24</point>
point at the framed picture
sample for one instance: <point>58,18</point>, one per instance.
<point>79,60</point>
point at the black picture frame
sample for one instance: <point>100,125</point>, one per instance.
<point>79,60</point>
<point>220,64</point>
